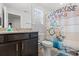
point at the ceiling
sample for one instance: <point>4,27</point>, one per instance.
<point>26,6</point>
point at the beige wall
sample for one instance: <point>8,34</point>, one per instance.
<point>72,39</point>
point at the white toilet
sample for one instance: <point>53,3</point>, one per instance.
<point>47,47</point>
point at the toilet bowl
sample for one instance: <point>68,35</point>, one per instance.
<point>47,47</point>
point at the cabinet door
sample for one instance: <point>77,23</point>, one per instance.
<point>8,49</point>
<point>30,47</point>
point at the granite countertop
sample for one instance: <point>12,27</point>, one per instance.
<point>14,32</point>
<point>3,31</point>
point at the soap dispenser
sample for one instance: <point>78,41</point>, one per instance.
<point>9,29</point>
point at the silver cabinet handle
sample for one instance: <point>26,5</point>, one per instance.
<point>17,47</point>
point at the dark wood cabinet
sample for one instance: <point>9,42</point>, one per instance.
<point>19,44</point>
<point>30,47</point>
<point>8,49</point>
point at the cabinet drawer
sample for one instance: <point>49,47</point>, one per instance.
<point>12,37</point>
<point>34,35</point>
<point>1,38</point>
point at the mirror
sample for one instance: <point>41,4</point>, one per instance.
<point>14,19</point>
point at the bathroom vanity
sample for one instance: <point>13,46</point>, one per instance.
<point>19,44</point>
